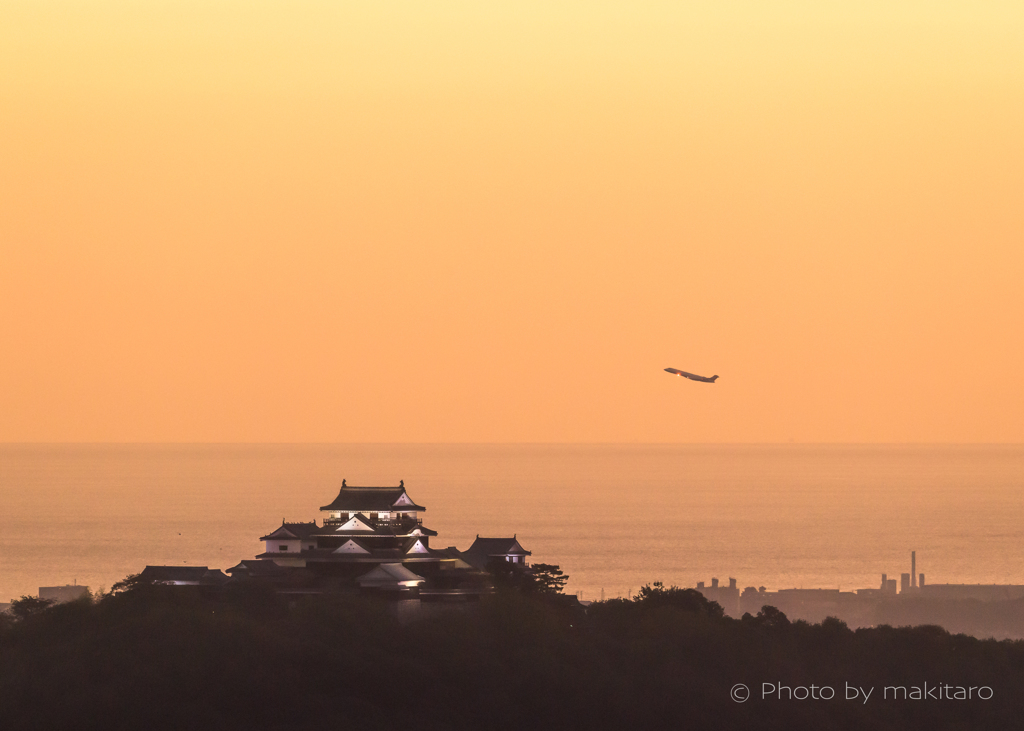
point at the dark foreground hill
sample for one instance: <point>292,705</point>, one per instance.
<point>153,657</point>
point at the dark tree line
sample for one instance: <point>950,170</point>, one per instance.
<point>156,657</point>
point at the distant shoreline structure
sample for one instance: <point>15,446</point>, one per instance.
<point>868,607</point>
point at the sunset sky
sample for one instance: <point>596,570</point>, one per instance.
<point>499,221</point>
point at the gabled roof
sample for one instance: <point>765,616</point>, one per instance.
<point>410,546</point>
<point>372,555</point>
<point>484,549</point>
<point>387,575</point>
<point>454,558</point>
<point>257,567</point>
<point>352,545</point>
<point>372,529</point>
<point>292,531</point>
<point>359,523</point>
<point>498,547</point>
<point>372,499</point>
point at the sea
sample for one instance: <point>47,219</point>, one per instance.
<point>614,517</point>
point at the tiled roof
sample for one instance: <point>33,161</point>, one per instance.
<point>319,555</point>
<point>292,531</point>
<point>390,574</point>
<point>374,499</point>
<point>409,543</point>
<point>498,547</point>
<point>423,530</point>
<point>362,548</point>
<point>257,567</point>
<point>456,558</point>
<point>183,574</point>
<point>332,529</point>
<point>483,549</point>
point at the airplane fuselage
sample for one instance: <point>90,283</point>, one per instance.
<point>691,376</point>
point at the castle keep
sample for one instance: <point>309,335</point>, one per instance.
<point>373,538</point>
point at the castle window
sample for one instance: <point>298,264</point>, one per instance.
<point>282,548</point>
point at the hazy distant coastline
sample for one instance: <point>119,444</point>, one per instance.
<point>613,516</point>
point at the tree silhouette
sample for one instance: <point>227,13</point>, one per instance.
<point>30,605</point>
<point>547,578</point>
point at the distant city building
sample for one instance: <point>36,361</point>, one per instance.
<point>751,600</point>
<point>66,593</point>
<point>979,592</point>
<point>728,597</point>
<point>980,609</point>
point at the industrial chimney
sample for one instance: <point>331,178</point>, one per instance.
<point>913,569</point>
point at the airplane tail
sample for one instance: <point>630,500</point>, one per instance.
<point>714,378</point>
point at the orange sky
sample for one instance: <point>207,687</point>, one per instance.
<point>465,221</point>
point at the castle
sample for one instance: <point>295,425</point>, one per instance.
<point>373,538</point>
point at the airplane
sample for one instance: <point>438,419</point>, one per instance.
<point>691,376</point>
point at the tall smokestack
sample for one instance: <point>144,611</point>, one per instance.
<point>913,569</point>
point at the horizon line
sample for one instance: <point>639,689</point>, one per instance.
<point>790,443</point>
